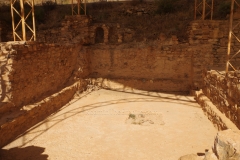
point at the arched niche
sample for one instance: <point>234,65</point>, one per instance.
<point>99,35</point>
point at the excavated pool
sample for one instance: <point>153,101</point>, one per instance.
<point>128,125</point>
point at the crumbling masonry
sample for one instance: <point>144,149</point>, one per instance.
<point>37,78</point>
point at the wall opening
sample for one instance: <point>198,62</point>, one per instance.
<point>99,35</point>
<point>0,35</point>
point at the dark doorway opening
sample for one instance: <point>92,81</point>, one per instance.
<point>99,38</point>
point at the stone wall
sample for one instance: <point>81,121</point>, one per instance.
<point>202,59</point>
<point>206,48</point>
<point>18,122</point>
<point>224,93</point>
<point>159,67</point>
<point>209,38</point>
<point>215,34</point>
<point>31,71</point>
<point>79,28</point>
<point>73,29</point>
<point>49,35</point>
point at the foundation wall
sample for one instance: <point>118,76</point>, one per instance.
<point>215,34</point>
<point>224,93</point>
<point>81,29</point>
<point>36,112</point>
<point>163,65</point>
<point>202,59</point>
<point>207,47</point>
<point>153,65</point>
<point>30,115</point>
<point>177,67</point>
<point>31,71</point>
<point>73,29</point>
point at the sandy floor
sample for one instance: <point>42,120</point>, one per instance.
<point>114,125</point>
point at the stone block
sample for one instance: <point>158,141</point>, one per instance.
<point>227,145</point>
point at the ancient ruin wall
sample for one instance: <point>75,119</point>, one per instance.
<point>206,48</point>
<point>31,71</point>
<point>224,93</point>
<point>80,28</point>
<point>209,38</point>
<point>73,29</point>
<point>159,67</point>
<point>214,34</point>
<point>18,122</point>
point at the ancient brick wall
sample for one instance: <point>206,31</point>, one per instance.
<point>207,46</point>
<point>209,39</point>
<point>224,93</point>
<point>31,71</point>
<point>80,29</point>
<point>214,33</point>
<point>49,36</point>
<point>202,59</point>
<point>73,29</point>
<point>167,67</point>
<point>164,61</point>
<point>19,121</point>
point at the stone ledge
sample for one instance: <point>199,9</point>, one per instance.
<point>219,120</point>
<point>30,115</point>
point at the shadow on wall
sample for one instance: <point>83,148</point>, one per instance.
<point>30,152</point>
<point>99,38</point>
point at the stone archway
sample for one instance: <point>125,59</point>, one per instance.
<point>99,35</point>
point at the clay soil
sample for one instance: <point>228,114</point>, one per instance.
<point>118,125</point>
